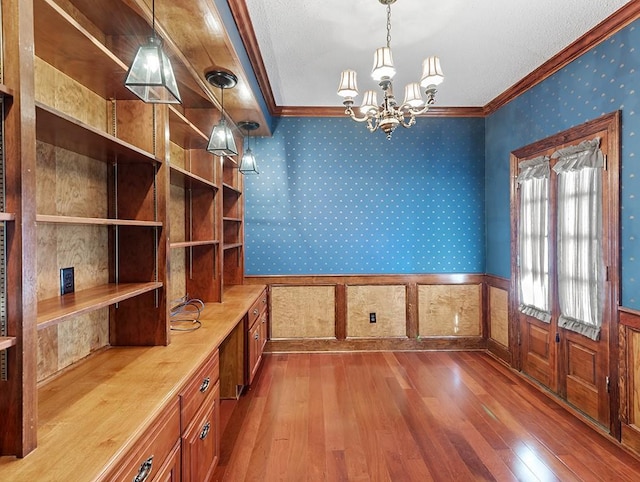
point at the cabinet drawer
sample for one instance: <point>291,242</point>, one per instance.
<point>198,388</point>
<point>154,447</point>
<point>258,307</point>
<point>201,441</point>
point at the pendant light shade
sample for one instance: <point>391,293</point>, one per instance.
<point>248,164</point>
<point>221,141</point>
<point>150,76</point>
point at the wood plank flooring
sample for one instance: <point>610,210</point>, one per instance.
<point>412,416</point>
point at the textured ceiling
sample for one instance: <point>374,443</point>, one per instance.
<point>485,46</point>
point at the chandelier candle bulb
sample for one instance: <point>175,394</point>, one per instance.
<point>388,115</point>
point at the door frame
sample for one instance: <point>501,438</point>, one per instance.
<point>611,249</point>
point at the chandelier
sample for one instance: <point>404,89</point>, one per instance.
<point>388,115</point>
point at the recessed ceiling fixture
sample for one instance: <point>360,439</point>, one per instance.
<point>221,141</point>
<point>388,115</point>
<point>248,164</point>
<point>150,76</point>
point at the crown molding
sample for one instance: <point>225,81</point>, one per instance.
<point>605,29</point>
<point>316,111</point>
<point>241,16</point>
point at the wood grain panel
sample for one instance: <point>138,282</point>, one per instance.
<point>177,214</point>
<point>302,312</point>
<point>61,92</point>
<point>178,285</point>
<point>84,247</point>
<point>449,310</point>
<point>177,155</point>
<point>70,184</point>
<point>634,357</point>
<point>47,352</point>
<point>389,303</point>
<point>61,345</point>
<point>499,315</point>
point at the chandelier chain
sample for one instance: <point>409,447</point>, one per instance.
<point>389,26</point>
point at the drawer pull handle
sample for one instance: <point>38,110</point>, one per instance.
<point>205,385</point>
<point>256,336</point>
<point>255,312</point>
<point>205,431</point>
<point>145,470</point>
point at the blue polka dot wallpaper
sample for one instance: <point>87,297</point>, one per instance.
<point>605,79</point>
<point>333,198</point>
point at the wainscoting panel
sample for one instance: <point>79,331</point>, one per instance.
<point>450,310</point>
<point>389,303</point>
<point>303,312</point>
<point>499,315</point>
<point>629,377</point>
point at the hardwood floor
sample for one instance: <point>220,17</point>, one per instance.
<point>412,416</point>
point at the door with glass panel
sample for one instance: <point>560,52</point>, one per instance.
<point>565,264</point>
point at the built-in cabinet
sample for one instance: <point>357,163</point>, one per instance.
<point>121,191</point>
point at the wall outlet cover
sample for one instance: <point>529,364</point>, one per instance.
<point>67,284</point>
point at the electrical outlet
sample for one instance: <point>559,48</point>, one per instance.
<point>372,317</point>
<point>67,284</point>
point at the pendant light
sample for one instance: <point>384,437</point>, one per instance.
<point>221,142</point>
<point>150,76</point>
<point>248,163</point>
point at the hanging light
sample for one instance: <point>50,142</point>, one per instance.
<point>389,115</point>
<point>248,163</point>
<point>150,76</point>
<point>221,141</point>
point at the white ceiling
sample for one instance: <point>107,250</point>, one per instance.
<point>485,46</point>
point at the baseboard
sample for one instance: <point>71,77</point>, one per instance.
<point>381,344</point>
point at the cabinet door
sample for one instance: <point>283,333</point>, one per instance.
<point>254,349</point>
<point>201,442</point>
<point>170,470</point>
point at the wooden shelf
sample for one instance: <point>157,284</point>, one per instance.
<point>232,246</point>
<point>7,342</point>
<point>189,244</point>
<point>233,220</point>
<point>7,217</point>
<point>180,177</point>
<point>46,218</point>
<point>6,91</point>
<point>229,187</point>
<point>184,132</point>
<point>53,310</point>
<point>59,129</point>
<point>63,43</point>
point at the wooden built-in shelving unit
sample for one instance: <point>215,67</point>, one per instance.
<point>125,192</point>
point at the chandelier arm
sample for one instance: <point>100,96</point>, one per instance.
<point>350,112</point>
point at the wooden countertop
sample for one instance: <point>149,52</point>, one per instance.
<point>91,415</point>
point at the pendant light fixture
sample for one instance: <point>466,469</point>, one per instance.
<point>248,163</point>
<point>221,142</point>
<point>150,76</point>
<point>390,114</point>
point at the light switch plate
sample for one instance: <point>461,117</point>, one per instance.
<point>67,284</point>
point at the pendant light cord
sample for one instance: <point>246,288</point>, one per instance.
<point>389,26</point>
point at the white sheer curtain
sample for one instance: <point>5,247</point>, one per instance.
<point>579,248</point>
<point>533,234</point>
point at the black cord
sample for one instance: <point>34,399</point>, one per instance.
<point>186,311</point>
